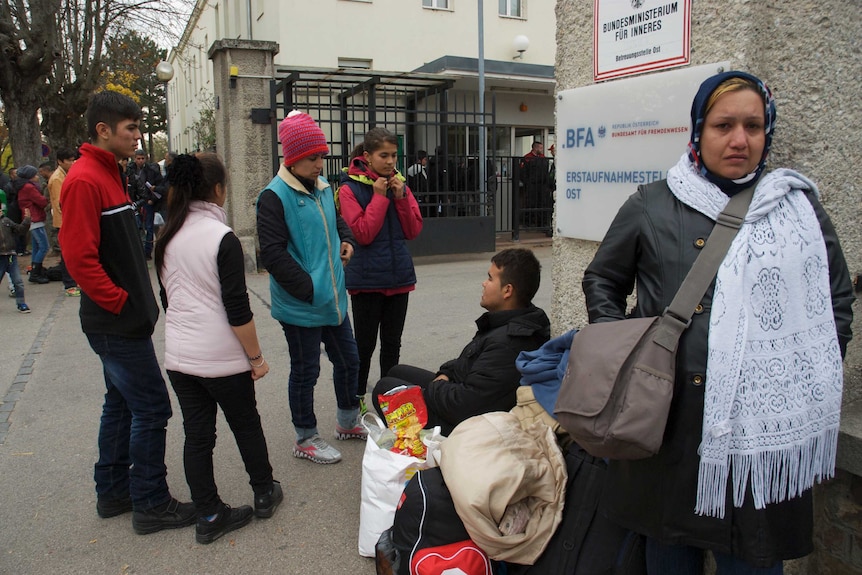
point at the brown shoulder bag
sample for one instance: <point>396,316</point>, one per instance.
<point>617,389</point>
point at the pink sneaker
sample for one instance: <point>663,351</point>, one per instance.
<point>357,432</point>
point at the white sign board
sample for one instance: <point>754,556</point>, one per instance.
<point>634,36</point>
<point>612,137</point>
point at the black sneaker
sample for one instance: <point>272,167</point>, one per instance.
<point>265,505</point>
<point>107,507</point>
<point>170,515</point>
<point>227,519</point>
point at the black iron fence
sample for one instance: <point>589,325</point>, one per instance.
<point>426,115</point>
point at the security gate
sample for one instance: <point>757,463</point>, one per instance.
<point>426,114</point>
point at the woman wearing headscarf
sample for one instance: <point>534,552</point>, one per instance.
<point>754,419</point>
<point>304,245</point>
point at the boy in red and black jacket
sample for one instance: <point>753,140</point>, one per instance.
<point>103,252</point>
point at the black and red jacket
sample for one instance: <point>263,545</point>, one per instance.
<point>103,251</point>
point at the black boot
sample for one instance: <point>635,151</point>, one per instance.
<point>37,275</point>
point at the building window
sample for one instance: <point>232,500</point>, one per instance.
<point>511,8</point>
<point>438,4</point>
<point>362,63</point>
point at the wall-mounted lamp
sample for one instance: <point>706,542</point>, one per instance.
<point>521,43</point>
<point>234,72</point>
<point>523,107</point>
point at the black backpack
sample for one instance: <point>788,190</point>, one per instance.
<point>425,517</point>
<point>587,542</point>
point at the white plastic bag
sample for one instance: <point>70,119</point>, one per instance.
<point>384,475</point>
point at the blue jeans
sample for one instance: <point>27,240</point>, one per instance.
<point>134,421</point>
<point>684,560</point>
<point>304,346</point>
<point>149,219</point>
<point>40,245</point>
<point>9,263</point>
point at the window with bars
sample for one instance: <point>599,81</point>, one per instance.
<point>511,8</point>
<point>439,4</point>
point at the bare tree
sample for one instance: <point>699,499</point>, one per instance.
<point>51,59</point>
<point>85,28</point>
<point>27,53</point>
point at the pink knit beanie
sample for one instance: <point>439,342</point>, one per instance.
<point>300,137</point>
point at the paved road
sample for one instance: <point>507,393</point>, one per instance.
<point>51,390</point>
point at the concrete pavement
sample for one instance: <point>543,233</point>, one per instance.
<point>51,390</point>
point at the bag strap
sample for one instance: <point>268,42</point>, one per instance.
<point>677,317</point>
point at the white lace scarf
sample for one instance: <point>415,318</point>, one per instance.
<point>774,373</point>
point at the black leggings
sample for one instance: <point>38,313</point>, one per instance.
<point>373,312</point>
<point>199,398</point>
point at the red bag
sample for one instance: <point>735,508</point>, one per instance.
<point>463,557</point>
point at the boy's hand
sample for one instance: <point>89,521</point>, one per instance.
<point>26,212</point>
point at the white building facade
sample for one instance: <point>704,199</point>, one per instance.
<point>403,36</point>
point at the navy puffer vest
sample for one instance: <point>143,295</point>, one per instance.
<point>385,263</point>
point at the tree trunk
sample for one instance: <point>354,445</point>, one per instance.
<point>23,127</point>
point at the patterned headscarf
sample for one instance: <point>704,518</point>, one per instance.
<point>698,115</point>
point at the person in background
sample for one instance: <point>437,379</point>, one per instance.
<point>146,188</point>
<point>124,175</point>
<point>212,353</point>
<point>46,170</point>
<point>13,212</point>
<point>535,182</point>
<point>417,179</point>
<point>757,395</point>
<point>304,245</point>
<point>65,159</point>
<point>8,257</point>
<point>118,314</point>
<point>382,214</point>
<point>4,183</point>
<point>31,198</point>
<point>164,165</point>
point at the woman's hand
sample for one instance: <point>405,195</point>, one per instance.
<point>397,187</point>
<point>381,185</point>
<point>346,252</point>
<point>259,371</point>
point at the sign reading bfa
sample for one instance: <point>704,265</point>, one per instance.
<point>615,136</point>
<point>634,36</point>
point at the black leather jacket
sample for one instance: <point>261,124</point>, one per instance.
<point>652,242</point>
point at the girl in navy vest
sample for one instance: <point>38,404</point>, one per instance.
<point>382,213</point>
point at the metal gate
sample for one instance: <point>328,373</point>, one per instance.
<point>427,115</point>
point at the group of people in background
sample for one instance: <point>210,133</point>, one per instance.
<point>30,204</point>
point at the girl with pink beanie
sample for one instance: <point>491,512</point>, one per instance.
<point>304,245</point>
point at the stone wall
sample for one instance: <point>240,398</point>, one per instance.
<point>246,147</point>
<point>809,54</point>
